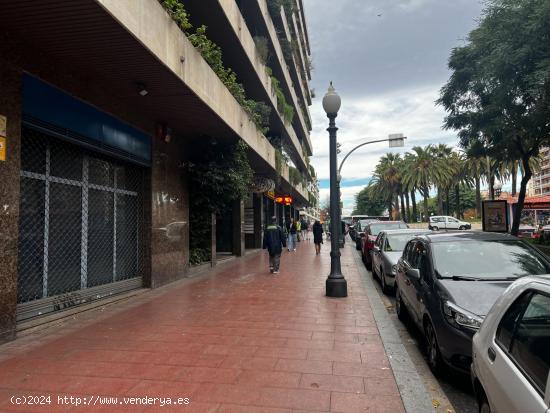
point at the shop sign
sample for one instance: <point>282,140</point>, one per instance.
<point>3,137</point>
<point>286,200</point>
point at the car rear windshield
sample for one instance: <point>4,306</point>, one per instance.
<point>376,228</point>
<point>396,242</point>
<point>487,259</point>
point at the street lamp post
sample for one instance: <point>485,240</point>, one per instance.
<point>395,140</point>
<point>336,284</point>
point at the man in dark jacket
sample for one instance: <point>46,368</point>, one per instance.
<point>274,241</point>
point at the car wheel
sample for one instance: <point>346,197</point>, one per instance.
<point>385,288</point>
<point>432,348</point>
<point>358,245</point>
<point>399,306</point>
<point>368,264</point>
<point>435,228</point>
<point>461,228</point>
<point>484,406</point>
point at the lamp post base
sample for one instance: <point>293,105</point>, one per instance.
<point>336,287</point>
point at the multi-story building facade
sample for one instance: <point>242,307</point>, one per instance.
<point>104,103</point>
<point>540,182</point>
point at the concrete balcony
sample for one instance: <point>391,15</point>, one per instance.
<point>297,74</point>
<point>262,17</point>
<point>304,61</point>
<point>228,29</point>
<point>115,43</point>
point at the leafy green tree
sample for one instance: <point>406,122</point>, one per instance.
<point>367,202</point>
<point>498,94</point>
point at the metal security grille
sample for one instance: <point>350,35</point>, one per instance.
<point>79,222</point>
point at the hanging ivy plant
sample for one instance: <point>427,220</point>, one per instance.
<point>258,111</point>
<point>286,110</point>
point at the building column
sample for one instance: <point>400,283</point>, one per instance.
<point>259,220</point>
<point>10,110</point>
<point>238,229</point>
<point>213,249</point>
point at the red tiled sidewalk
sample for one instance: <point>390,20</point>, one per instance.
<point>242,340</point>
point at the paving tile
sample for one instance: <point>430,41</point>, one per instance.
<point>234,408</point>
<point>360,370</point>
<point>249,363</point>
<point>334,355</point>
<point>346,384</point>
<point>207,375</point>
<point>304,366</point>
<point>283,352</point>
<point>346,402</point>
<point>295,398</point>
<point>235,350</point>
<point>228,394</point>
<point>269,378</point>
<point>318,344</point>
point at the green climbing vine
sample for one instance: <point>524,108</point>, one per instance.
<point>259,112</point>
<point>286,110</point>
<point>219,174</point>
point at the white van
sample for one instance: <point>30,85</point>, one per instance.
<point>438,222</point>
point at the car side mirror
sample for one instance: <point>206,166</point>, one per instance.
<point>413,273</point>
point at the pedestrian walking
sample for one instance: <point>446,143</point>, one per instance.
<point>298,230</point>
<point>292,237</point>
<point>305,230</point>
<point>274,241</point>
<point>317,236</point>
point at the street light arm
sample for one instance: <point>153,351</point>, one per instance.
<point>357,147</point>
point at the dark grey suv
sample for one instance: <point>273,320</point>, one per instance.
<point>447,282</point>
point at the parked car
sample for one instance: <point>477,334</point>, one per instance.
<point>371,231</point>
<point>447,282</point>
<point>358,228</point>
<point>444,222</point>
<point>387,250</point>
<point>511,350</point>
<point>527,231</point>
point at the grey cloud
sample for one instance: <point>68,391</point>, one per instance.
<point>366,54</point>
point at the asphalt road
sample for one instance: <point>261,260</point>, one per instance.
<point>451,393</point>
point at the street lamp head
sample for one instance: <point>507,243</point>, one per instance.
<point>331,101</point>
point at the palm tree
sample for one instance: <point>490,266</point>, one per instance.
<point>408,185</point>
<point>419,175</point>
<point>386,179</point>
<point>461,177</point>
<point>441,154</point>
<point>476,169</point>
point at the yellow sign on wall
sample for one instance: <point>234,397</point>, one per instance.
<point>2,148</point>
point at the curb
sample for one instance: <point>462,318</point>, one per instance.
<point>416,398</point>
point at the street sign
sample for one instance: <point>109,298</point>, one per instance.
<point>396,140</point>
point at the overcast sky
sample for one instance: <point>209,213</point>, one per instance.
<point>388,70</point>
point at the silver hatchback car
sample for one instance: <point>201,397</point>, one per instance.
<point>387,250</point>
<point>511,351</point>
